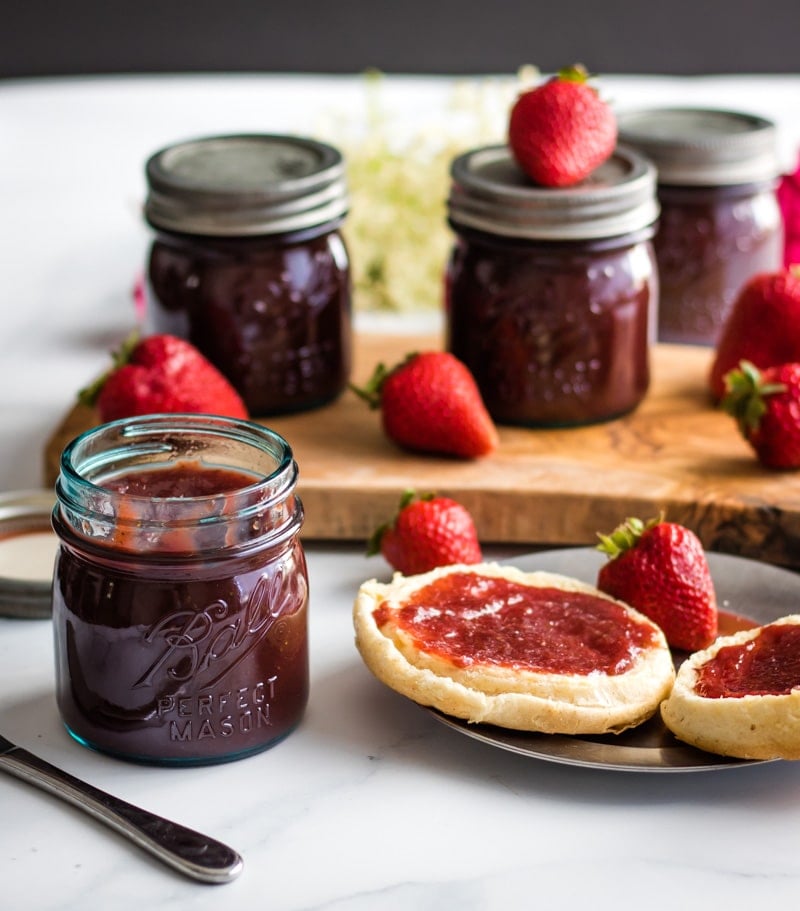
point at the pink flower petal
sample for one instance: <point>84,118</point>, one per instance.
<point>139,299</point>
<point>789,202</point>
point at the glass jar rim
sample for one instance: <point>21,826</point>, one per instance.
<point>90,509</point>
<point>128,429</point>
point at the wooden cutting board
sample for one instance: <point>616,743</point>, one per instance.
<point>675,453</point>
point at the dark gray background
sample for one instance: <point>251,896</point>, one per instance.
<point>54,37</point>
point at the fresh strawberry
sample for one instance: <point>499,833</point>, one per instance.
<point>763,326</point>
<point>766,405</point>
<point>431,403</point>
<point>660,569</point>
<point>427,532</point>
<point>162,373</point>
<point>562,130</point>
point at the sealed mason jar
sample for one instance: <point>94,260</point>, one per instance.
<point>248,263</point>
<point>720,222</point>
<point>180,590</point>
<point>551,294</point>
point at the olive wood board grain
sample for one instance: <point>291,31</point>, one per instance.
<point>675,453</point>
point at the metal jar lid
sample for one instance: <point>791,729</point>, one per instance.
<point>28,547</point>
<point>703,147</point>
<point>245,185</point>
<point>490,193</point>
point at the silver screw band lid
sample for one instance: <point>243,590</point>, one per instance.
<point>491,193</point>
<point>703,146</point>
<point>245,185</point>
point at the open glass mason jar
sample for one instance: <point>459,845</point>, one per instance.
<point>180,589</point>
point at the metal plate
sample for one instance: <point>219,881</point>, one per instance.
<point>745,588</point>
<point>25,592</point>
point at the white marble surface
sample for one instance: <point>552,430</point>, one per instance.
<point>370,804</point>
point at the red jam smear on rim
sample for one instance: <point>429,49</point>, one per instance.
<point>150,494</point>
<point>768,665</point>
<point>469,619</point>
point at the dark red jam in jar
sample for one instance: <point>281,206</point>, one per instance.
<point>180,591</point>
<point>720,221</point>
<point>248,263</point>
<point>551,293</point>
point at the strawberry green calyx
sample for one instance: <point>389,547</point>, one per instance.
<point>374,542</point>
<point>89,394</point>
<point>371,391</point>
<point>745,395</point>
<point>575,73</point>
<point>408,497</point>
<point>625,536</point>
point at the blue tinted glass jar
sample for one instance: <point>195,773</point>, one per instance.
<point>180,590</point>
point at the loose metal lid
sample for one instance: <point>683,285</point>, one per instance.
<point>491,193</point>
<point>28,548</point>
<point>226,186</point>
<point>703,147</point>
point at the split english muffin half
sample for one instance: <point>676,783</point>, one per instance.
<point>536,651</point>
<point>741,696</point>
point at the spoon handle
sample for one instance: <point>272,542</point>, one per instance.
<point>193,854</point>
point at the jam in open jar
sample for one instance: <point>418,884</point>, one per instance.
<point>180,590</point>
<point>248,264</point>
<point>720,222</point>
<point>551,294</point>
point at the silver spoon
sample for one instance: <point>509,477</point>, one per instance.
<point>193,854</point>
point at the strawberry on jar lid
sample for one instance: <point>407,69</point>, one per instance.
<point>491,193</point>
<point>703,147</point>
<point>245,185</point>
